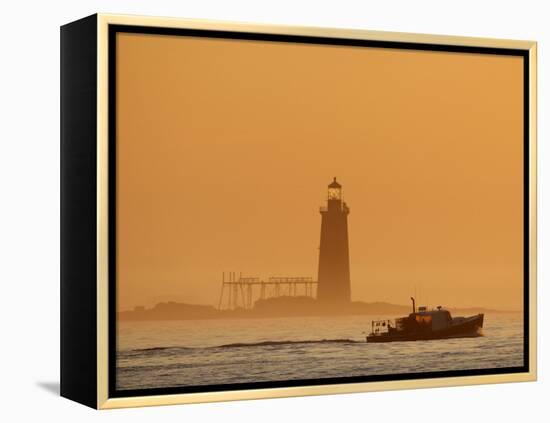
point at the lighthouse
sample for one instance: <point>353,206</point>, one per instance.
<point>334,285</point>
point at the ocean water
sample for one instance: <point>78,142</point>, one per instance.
<point>156,354</point>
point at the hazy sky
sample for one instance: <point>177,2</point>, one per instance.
<point>225,150</point>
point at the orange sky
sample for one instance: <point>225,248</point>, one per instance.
<point>225,149</point>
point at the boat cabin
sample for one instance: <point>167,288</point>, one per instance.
<point>421,320</point>
<point>433,319</point>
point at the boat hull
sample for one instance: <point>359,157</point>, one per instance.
<point>467,328</point>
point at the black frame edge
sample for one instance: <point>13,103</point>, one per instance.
<point>78,133</point>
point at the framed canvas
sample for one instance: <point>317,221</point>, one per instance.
<point>254,211</point>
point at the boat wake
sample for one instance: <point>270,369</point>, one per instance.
<point>274,343</point>
<point>251,344</point>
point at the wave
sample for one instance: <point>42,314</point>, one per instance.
<point>153,349</point>
<point>271,343</point>
<point>253,344</point>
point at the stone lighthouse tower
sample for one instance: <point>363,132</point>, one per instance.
<point>334,279</point>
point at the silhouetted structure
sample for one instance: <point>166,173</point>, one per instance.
<point>241,292</point>
<point>334,285</point>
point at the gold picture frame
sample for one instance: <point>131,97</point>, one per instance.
<point>88,55</point>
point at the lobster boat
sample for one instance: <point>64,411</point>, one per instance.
<point>423,324</point>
